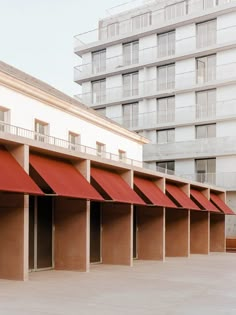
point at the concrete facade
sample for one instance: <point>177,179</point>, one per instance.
<point>182,96</point>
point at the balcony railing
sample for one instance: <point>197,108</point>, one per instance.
<point>226,180</point>
<point>189,149</point>
<point>182,80</point>
<point>179,115</point>
<point>144,56</point>
<point>159,18</point>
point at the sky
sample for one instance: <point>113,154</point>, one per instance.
<point>37,36</point>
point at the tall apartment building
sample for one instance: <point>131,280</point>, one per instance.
<point>167,70</point>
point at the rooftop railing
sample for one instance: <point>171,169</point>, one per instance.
<point>159,15</point>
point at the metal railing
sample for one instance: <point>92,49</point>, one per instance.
<point>182,81</point>
<point>144,56</point>
<point>192,148</point>
<point>179,115</point>
<point>159,18</point>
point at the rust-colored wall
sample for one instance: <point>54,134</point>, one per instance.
<point>217,233</point>
<point>177,233</point>
<point>150,236</point>
<point>12,241</point>
<point>199,232</point>
<point>117,234</point>
<point>71,234</point>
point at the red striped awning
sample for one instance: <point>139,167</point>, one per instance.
<point>153,193</point>
<point>63,178</point>
<point>203,201</point>
<point>115,186</point>
<point>221,204</point>
<point>13,177</point>
<point>182,199</point>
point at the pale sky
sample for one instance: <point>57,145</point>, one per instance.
<point>37,36</point>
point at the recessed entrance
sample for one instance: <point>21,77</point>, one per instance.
<point>40,233</point>
<point>95,232</point>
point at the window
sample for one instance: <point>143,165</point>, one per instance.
<point>112,30</point>
<point>166,77</point>
<point>166,109</point>
<point>122,155</point>
<point>205,131</point>
<point>130,84</point>
<point>98,91</point>
<point>141,21</point>
<point>99,61</point>
<point>41,130</point>
<point>131,53</point>
<point>176,10</point>
<point>130,115</point>
<point>205,170</point>
<point>4,118</point>
<point>206,104</point>
<point>206,34</point>
<point>167,167</point>
<point>74,140</point>
<point>166,44</point>
<point>206,69</point>
<point>165,136</point>
<point>100,148</point>
<point>207,4</point>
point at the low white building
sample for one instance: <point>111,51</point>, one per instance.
<point>35,110</point>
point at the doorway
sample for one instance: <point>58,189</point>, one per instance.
<point>95,232</point>
<point>40,233</point>
<point>135,227</point>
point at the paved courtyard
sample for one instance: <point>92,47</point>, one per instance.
<point>199,285</point>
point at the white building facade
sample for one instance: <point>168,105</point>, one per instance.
<point>32,109</point>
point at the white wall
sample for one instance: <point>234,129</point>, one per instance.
<point>24,110</point>
<point>185,39</point>
<point>226,28</point>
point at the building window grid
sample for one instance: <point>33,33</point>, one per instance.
<point>74,140</point>
<point>112,30</point>
<point>166,77</point>
<point>41,130</point>
<point>176,10</point>
<point>100,149</point>
<point>166,109</point>
<point>130,84</point>
<point>206,104</point>
<point>98,91</point>
<point>141,21</point>
<point>165,136</point>
<point>205,131</point>
<point>166,44</point>
<point>205,170</point>
<point>206,69</point>
<point>207,4</point>
<point>130,114</point>
<point>4,118</point>
<point>167,167</point>
<point>206,34</point>
<point>122,155</point>
<point>130,53</point>
<point>98,61</point>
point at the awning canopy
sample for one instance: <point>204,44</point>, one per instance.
<point>182,199</point>
<point>203,201</point>
<point>13,177</point>
<point>115,186</point>
<point>221,204</point>
<point>63,178</point>
<point>153,193</point>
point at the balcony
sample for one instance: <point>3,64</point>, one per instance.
<point>225,180</point>
<point>159,19</point>
<point>184,81</point>
<point>179,116</point>
<point>197,148</point>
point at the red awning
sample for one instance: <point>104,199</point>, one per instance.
<point>115,186</point>
<point>203,201</point>
<point>181,197</point>
<point>63,178</point>
<point>221,204</point>
<point>153,193</point>
<point>13,177</point>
